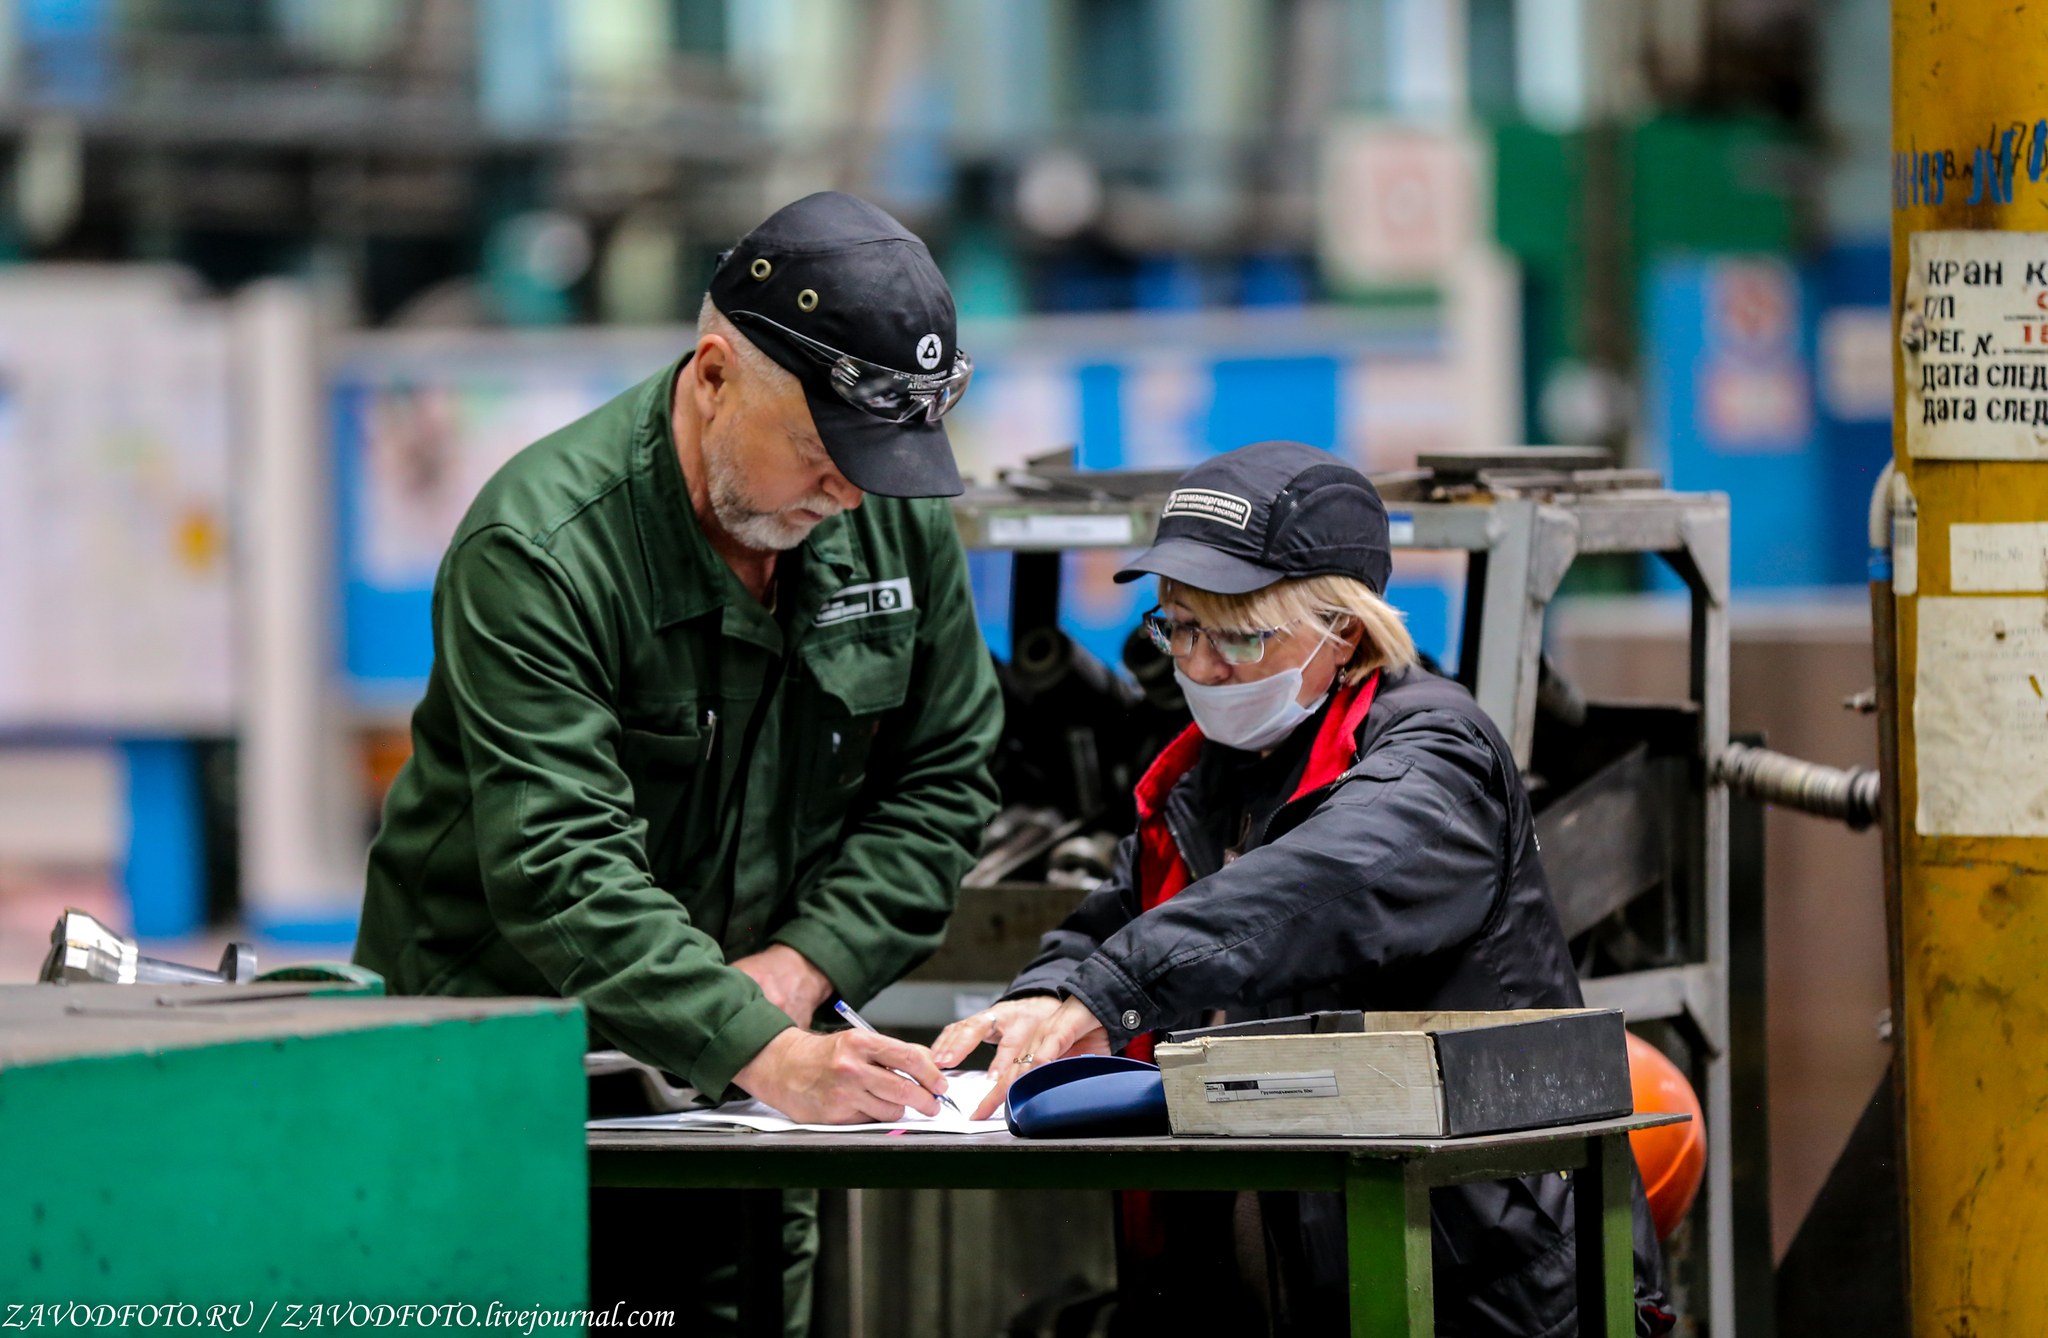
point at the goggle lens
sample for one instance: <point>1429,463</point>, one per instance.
<point>1177,639</point>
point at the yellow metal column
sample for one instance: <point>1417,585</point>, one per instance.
<point>1970,293</point>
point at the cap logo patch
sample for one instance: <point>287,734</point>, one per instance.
<point>928,350</point>
<point>1227,508</point>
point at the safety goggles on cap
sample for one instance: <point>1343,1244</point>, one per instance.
<point>882,392</point>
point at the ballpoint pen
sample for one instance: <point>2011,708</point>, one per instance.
<point>845,1010</point>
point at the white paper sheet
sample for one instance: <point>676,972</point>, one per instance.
<point>966,1089</point>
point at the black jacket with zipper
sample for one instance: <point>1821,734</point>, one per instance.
<point>1410,882</point>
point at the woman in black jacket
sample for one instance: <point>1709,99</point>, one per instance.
<point>1340,829</point>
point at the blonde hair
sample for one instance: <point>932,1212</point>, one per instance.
<point>1318,601</point>
<point>757,366</point>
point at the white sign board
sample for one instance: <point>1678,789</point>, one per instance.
<point>1974,330</point>
<point>1398,204</point>
<point>115,594</point>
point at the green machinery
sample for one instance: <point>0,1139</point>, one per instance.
<point>299,1143</point>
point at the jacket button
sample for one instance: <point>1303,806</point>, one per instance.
<point>1130,1019</point>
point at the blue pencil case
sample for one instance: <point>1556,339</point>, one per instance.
<point>1089,1096</point>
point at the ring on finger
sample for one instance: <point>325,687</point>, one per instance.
<point>1027,1059</point>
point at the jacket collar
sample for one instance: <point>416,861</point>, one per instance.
<point>687,577</point>
<point>1335,749</point>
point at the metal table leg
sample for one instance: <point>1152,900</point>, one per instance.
<point>760,1300</point>
<point>1386,1210</point>
<point>1605,1230</point>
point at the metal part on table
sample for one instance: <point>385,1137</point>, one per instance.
<point>661,1094</point>
<point>83,949</point>
<point>1846,794</point>
<point>326,978</point>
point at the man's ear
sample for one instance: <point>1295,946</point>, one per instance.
<point>712,370</point>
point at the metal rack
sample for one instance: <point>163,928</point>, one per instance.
<point>1634,824</point>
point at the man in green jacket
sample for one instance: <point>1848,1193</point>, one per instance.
<point>705,740</point>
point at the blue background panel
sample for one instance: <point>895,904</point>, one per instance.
<point>164,869</point>
<point>1273,399</point>
<point>1778,528</point>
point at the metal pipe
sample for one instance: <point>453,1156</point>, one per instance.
<point>1844,794</point>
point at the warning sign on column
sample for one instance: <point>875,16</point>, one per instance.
<point>1974,332</point>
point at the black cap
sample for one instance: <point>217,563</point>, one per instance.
<point>836,269</point>
<point>1273,511</point>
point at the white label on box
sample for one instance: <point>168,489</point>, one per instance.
<point>1270,1086</point>
<point>1974,335</point>
<point>1400,528</point>
<point>1980,717</point>
<point>1057,531</point>
<point>1985,559</point>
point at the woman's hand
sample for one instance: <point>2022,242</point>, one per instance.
<point>1027,1032</point>
<point>1000,1022</point>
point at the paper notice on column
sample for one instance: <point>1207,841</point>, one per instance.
<point>1980,717</point>
<point>1997,557</point>
<point>1974,337</point>
<point>966,1090</point>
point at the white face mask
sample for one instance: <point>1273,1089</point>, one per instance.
<point>1251,716</point>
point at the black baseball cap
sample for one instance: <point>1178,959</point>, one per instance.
<point>834,275</point>
<point>1272,511</point>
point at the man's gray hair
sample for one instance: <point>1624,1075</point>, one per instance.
<point>773,376</point>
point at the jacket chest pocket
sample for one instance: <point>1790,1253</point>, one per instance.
<point>669,776</point>
<point>852,685</point>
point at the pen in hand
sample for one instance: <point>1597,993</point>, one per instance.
<point>855,1020</point>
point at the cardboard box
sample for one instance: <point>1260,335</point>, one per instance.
<point>1398,1075</point>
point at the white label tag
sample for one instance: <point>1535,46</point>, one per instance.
<point>1057,531</point>
<point>864,601</point>
<point>1270,1086</point>
<point>1206,503</point>
<point>1974,333</point>
<point>1985,559</point>
<point>1400,528</point>
<point>1980,716</point>
<point>1905,553</point>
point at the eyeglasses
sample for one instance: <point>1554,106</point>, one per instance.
<point>1177,639</point>
<point>883,392</point>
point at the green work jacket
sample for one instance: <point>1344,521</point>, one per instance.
<point>627,771</point>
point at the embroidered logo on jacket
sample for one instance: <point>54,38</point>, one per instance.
<point>864,601</point>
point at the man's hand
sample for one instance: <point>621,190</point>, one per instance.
<point>789,980</point>
<point>842,1077</point>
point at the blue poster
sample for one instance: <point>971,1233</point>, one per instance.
<point>1730,408</point>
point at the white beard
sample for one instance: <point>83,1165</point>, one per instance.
<point>763,531</point>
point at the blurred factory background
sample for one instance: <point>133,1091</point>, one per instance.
<point>285,280</point>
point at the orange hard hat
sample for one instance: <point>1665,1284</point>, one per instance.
<point>1672,1157</point>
